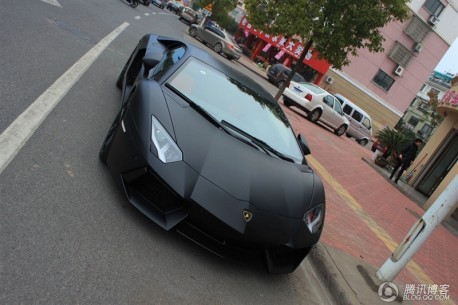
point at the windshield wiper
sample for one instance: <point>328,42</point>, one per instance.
<point>212,119</point>
<point>260,143</point>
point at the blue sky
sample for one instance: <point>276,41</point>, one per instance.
<point>449,63</point>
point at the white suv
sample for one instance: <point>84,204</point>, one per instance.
<point>318,104</point>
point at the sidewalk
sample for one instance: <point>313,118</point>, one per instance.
<point>366,217</point>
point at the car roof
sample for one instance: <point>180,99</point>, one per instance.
<point>346,100</point>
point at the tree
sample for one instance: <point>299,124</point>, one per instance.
<point>433,115</point>
<point>336,28</point>
<point>220,9</point>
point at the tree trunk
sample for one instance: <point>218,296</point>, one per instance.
<point>294,69</point>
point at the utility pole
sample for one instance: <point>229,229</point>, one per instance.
<point>421,230</point>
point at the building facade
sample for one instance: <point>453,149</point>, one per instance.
<point>421,117</point>
<point>436,165</point>
<point>384,84</point>
<point>266,49</point>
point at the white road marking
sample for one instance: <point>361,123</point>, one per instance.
<point>53,2</point>
<point>137,17</point>
<point>16,135</point>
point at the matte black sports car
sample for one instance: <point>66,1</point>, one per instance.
<point>203,149</point>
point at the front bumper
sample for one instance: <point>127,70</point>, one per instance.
<point>175,196</point>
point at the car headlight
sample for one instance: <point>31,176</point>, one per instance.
<point>313,218</point>
<point>167,150</point>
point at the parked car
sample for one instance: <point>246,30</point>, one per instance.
<point>188,15</point>
<point>159,3</point>
<point>278,73</point>
<point>145,2</point>
<point>219,40</point>
<point>377,146</point>
<point>174,7</point>
<point>318,104</point>
<point>194,146</point>
<point>360,122</point>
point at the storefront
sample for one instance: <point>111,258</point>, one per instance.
<point>266,49</point>
<point>437,161</point>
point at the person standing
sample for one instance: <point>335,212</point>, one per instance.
<point>406,158</point>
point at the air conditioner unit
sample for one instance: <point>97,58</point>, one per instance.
<point>399,70</point>
<point>329,80</point>
<point>417,47</point>
<point>433,20</point>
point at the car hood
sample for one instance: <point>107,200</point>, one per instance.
<point>271,184</point>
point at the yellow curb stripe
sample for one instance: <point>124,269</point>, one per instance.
<point>413,267</point>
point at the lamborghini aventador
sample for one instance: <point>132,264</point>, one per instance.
<point>200,148</point>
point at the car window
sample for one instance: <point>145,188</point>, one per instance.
<point>337,106</point>
<point>170,58</point>
<point>225,98</point>
<point>220,33</point>
<point>329,100</point>
<point>357,116</point>
<point>347,109</point>
<point>298,78</point>
<point>366,123</point>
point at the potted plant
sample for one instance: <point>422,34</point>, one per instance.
<point>393,140</point>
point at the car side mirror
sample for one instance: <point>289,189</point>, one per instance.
<point>303,144</point>
<point>151,60</point>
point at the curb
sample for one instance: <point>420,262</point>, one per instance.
<point>334,280</point>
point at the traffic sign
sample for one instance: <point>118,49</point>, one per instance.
<point>209,7</point>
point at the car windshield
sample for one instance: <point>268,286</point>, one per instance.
<point>228,100</point>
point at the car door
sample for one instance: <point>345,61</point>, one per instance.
<point>338,113</point>
<point>329,115</point>
<point>210,36</point>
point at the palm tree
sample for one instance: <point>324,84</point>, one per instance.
<point>393,140</point>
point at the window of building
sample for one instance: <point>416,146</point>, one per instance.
<point>383,80</point>
<point>413,121</point>
<point>435,7</point>
<point>417,29</point>
<point>434,91</point>
<point>400,54</point>
<point>425,131</point>
<point>423,106</point>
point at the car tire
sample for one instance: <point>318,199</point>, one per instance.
<point>218,47</point>
<point>193,32</point>
<point>314,115</point>
<point>341,130</point>
<point>363,142</point>
<point>280,83</point>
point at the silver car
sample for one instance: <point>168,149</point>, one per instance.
<point>318,104</point>
<point>219,40</point>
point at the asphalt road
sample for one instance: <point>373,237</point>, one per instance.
<point>67,233</point>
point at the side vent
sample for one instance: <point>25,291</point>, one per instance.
<point>399,70</point>
<point>417,47</point>
<point>433,20</point>
<point>329,80</point>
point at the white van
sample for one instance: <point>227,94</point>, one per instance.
<point>360,122</point>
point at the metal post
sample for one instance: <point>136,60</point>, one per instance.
<point>421,230</point>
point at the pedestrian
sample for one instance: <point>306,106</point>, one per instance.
<point>405,158</point>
